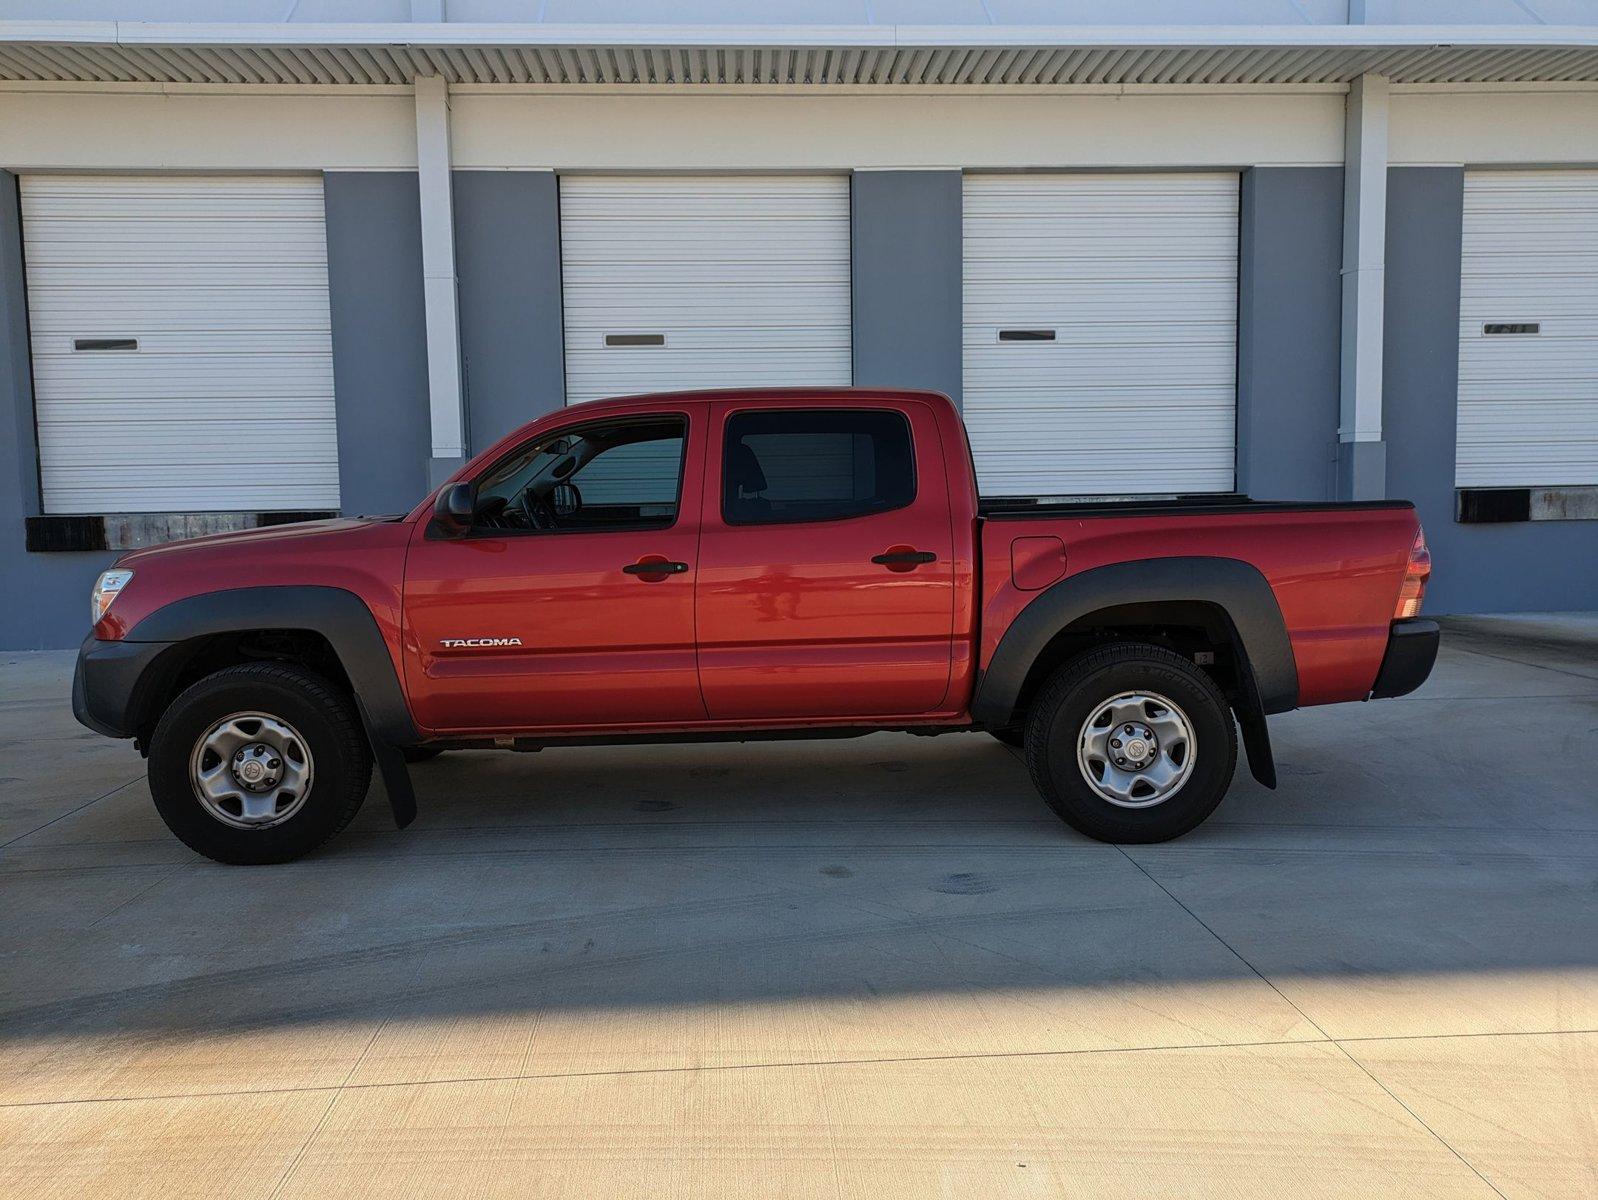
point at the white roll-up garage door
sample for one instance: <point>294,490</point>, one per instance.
<point>1528,330</point>
<point>182,359</point>
<point>1101,332</point>
<point>704,281</point>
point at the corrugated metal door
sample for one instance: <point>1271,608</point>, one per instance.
<point>1101,332</point>
<point>182,359</point>
<point>704,281</point>
<point>1528,330</point>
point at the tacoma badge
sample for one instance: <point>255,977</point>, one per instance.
<point>477,643</point>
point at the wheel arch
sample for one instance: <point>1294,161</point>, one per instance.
<point>337,620</point>
<point>1228,599</point>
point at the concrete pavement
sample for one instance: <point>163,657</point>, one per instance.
<point>867,968</point>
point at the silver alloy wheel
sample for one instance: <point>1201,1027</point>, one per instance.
<point>251,770</point>
<point>1136,750</point>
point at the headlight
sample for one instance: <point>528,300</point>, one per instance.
<point>105,591</point>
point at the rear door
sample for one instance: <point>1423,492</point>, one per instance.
<point>826,581</point>
<point>1100,332</point>
<point>182,353</point>
<point>703,281</point>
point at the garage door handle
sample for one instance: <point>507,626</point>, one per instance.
<point>657,566</point>
<point>904,558</point>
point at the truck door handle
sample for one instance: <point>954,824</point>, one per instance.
<point>904,558</point>
<point>655,566</point>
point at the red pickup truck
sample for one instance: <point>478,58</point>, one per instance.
<point>735,566</point>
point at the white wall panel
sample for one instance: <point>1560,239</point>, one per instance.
<point>1522,123</point>
<point>732,132</point>
<point>206,130</point>
<point>227,402</point>
<point>746,277</point>
<point>1136,276</point>
<point>1528,403</point>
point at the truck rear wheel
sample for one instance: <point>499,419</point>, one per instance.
<point>1131,744</point>
<point>259,763</point>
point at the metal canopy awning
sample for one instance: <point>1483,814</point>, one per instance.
<point>822,56</point>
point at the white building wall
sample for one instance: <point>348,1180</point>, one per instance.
<point>148,127</point>
<point>1491,124</point>
<point>141,127</point>
<point>743,131</point>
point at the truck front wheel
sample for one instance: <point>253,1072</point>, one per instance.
<point>259,763</point>
<point>1131,743</point>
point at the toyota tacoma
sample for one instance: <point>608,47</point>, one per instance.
<point>740,565</point>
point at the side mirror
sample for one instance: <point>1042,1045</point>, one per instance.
<point>455,509</point>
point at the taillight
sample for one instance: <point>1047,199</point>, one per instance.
<point>1416,572</point>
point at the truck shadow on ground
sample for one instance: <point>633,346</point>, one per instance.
<point>874,886</point>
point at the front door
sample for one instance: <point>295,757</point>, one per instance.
<point>571,602</point>
<point>826,581</point>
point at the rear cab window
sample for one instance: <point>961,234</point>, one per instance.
<point>781,466</point>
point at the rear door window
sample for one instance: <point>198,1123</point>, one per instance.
<point>785,465</point>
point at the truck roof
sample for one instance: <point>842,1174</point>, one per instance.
<point>766,396</point>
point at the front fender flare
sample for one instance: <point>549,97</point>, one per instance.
<point>347,623</point>
<point>340,616</point>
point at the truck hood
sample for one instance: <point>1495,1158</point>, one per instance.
<point>274,536</point>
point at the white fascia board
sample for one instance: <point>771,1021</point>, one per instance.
<point>100,32</point>
<point>798,36</point>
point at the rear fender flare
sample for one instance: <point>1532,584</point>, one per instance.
<point>1267,669</point>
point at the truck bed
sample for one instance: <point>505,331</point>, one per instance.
<point>1335,568</point>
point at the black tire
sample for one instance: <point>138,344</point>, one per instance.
<point>419,754</point>
<point>1014,736</point>
<point>1057,718</point>
<point>325,720</point>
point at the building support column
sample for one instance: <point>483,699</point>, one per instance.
<point>507,256</point>
<point>379,319</point>
<point>1361,453</point>
<point>445,397</point>
<point>1289,258</point>
<point>905,275</point>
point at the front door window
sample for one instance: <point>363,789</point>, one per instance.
<point>609,476</point>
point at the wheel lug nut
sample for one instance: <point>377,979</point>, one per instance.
<point>1116,742</point>
<point>273,763</point>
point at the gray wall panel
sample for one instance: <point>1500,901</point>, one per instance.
<point>905,251</point>
<point>507,265</point>
<point>374,269</point>
<point>1289,315</point>
<point>1518,567</point>
<point>44,598</point>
